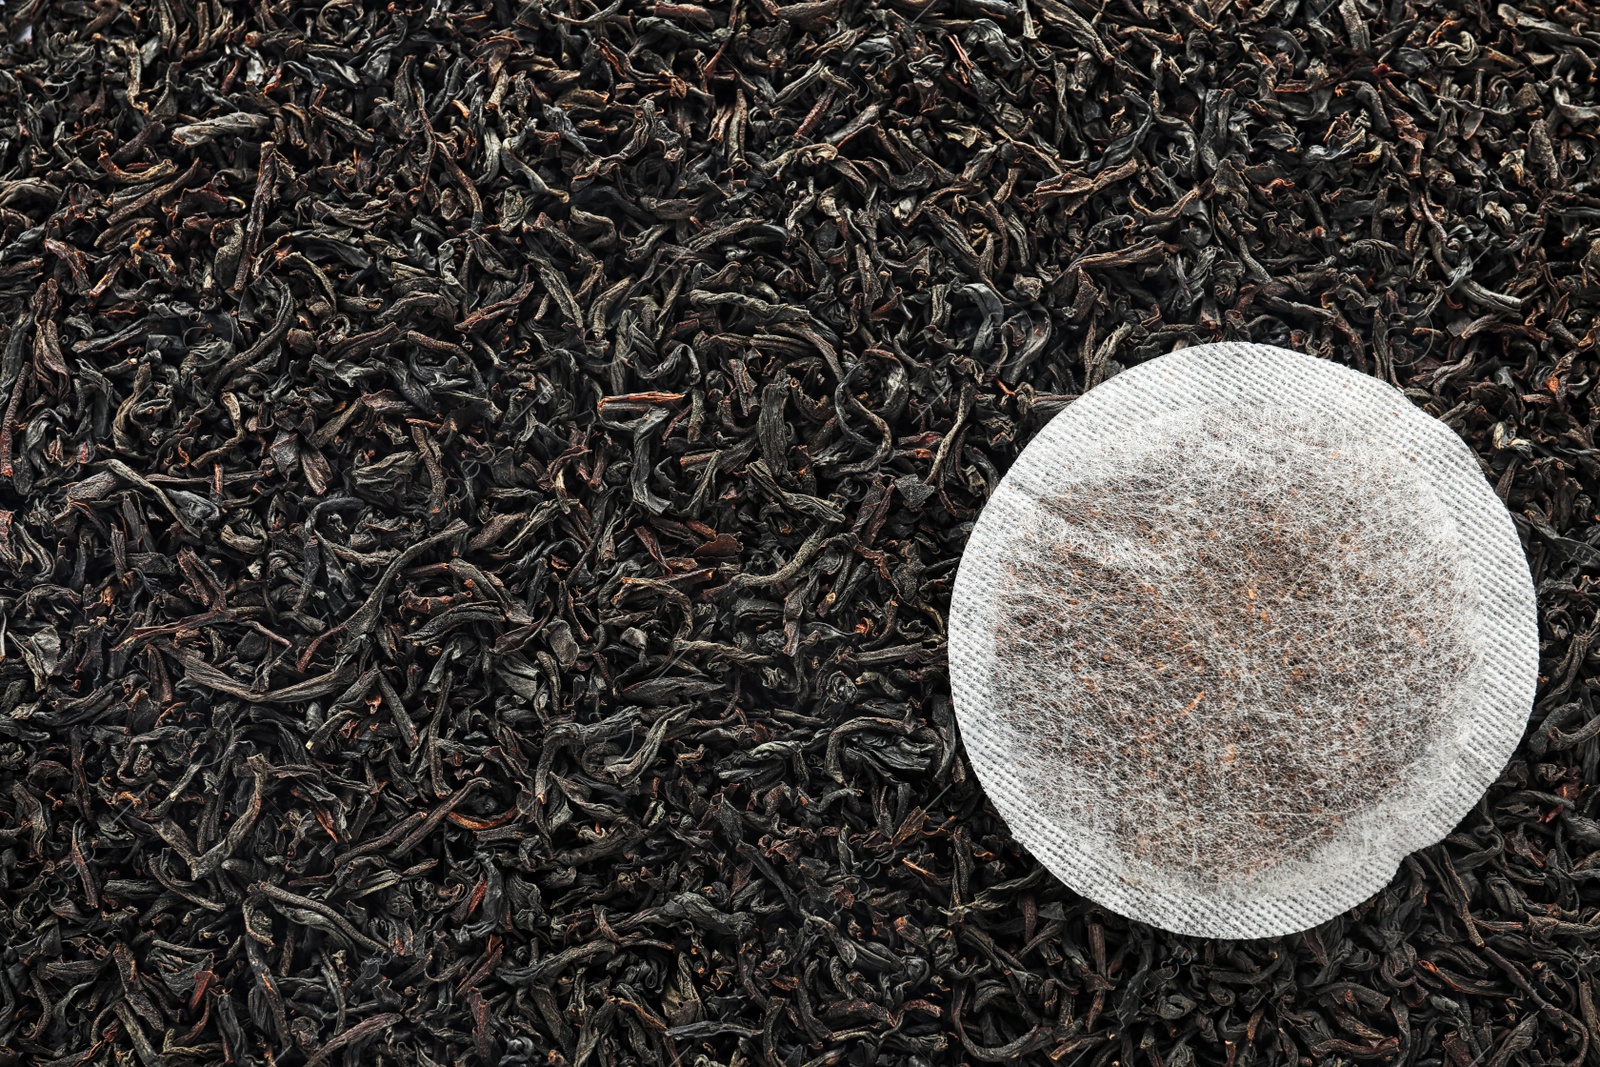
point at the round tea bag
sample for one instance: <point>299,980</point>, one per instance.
<point>1239,630</point>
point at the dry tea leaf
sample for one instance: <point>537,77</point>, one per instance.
<point>1240,630</point>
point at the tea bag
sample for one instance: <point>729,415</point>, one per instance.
<point>1239,630</point>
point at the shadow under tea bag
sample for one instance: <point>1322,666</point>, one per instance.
<point>1239,630</point>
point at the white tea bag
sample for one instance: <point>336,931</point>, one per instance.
<point>1239,630</point>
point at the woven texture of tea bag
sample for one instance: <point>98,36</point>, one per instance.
<point>1239,630</point>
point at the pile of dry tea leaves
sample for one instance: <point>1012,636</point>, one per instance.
<point>480,485</point>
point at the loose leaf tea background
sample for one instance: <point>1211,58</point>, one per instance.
<point>481,486</point>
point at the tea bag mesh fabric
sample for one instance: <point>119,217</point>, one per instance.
<point>1239,630</point>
